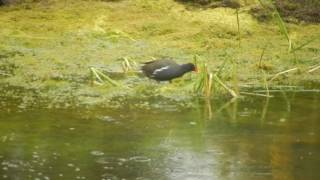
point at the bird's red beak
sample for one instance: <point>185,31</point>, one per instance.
<point>195,69</point>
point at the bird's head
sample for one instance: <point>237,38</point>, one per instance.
<point>190,67</point>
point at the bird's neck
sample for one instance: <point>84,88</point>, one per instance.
<point>184,68</point>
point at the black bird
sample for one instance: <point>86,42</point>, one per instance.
<point>166,69</point>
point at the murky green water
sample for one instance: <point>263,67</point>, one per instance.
<point>251,138</point>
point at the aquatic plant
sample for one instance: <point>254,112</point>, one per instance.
<point>204,83</point>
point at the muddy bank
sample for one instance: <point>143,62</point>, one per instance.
<point>292,10</point>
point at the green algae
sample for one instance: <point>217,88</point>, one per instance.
<point>48,48</point>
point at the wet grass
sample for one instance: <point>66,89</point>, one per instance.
<point>51,47</point>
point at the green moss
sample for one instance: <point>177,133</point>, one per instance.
<point>51,46</point>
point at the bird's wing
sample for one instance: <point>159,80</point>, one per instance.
<point>161,61</point>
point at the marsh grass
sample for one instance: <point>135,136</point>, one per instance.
<point>261,56</point>
<point>128,64</point>
<point>159,28</point>
<point>205,81</point>
<point>314,68</point>
<point>282,73</point>
<point>98,77</point>
<point>283,28</point>
<point>238,26</point>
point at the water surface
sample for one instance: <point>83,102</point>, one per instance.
<point>251,138</point>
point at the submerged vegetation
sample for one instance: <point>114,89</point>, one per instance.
<point>67,53</point>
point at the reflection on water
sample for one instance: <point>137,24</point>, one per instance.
<point>251,138</point>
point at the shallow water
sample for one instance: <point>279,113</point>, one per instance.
<point>251,138</point>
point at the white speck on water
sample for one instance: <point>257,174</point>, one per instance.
<point>4,176</point>
<point>311,133</point>
<point>71,129</point>
<point>60,175</point>
<point>282,120</point>
<point>301,157</point>
<point>97,153</point>
<point>193,123</point>
<point>102,161</point>
<point>108,119</point>
<point>140,159</point>
<point>5,168</point>
<point>77,169</point>
<point>70,165</point>
<point>122,159</point>
<point>12,165</point>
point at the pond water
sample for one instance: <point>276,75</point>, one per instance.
<point>250,138</point>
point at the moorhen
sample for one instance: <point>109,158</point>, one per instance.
<point>166,69</point>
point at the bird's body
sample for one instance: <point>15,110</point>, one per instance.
<point>166,69</point>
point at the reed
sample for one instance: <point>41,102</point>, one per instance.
<point>283,72</point>
<point>303,44</point>
<point>261,56</point>
<point>281,24</point>
<point>238,26</point>
<point>282,27</point>
<point>98,77</point>
<point>314,68</point>
<point>203,84</point>
<point>205,81</point>
<point>128,65</point>
<point>232,92</point>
